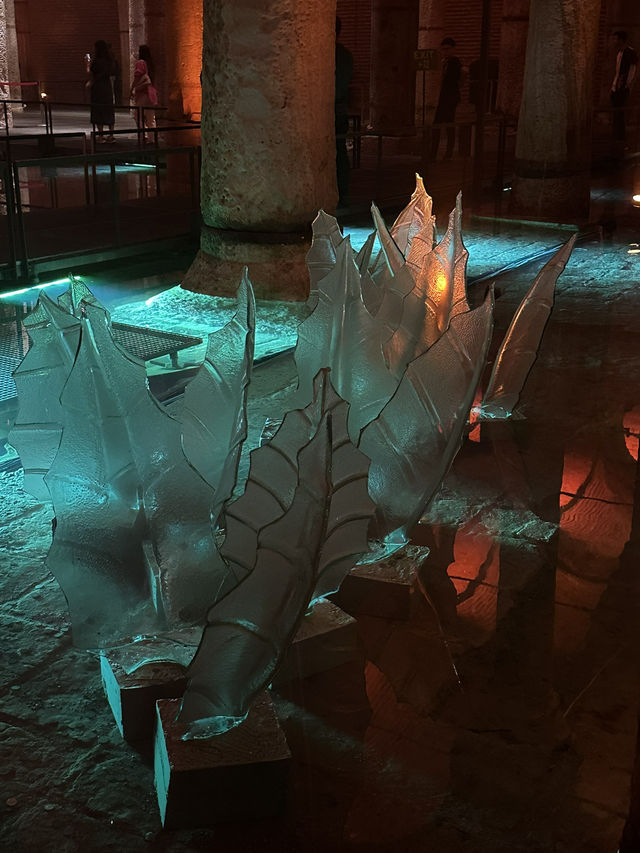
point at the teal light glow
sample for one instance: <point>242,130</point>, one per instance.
<point>33,287</point>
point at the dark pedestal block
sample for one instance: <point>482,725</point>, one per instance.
<point>235,776</point>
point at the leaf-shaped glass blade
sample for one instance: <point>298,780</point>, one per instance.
<point>426,310</point>
<point>391,252</point>
<point>273,477</point>
<point>521,343</point>
<point>214,415</point>
<point>342,335</point>
<point>321,257</point>
<point>459,302</point>
<point>119,479</point>
<point>40,379</point>
<point>413,218</point>
<point>417,435</point>
<point>311,547</point>
<point>77,295</point>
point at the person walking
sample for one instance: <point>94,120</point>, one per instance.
<point>143,93</point>
<point>626,66</point>
<point>99,83</point>
<point>448,98</point>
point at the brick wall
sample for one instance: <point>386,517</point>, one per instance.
<point>55,35</point>
<point>356,35</point>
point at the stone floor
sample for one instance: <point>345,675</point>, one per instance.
<point>500,716</point>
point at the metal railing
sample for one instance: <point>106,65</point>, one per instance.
<point>100,222</point>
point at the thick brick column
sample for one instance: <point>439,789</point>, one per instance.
<point>268,149</point>
<point>553,149</point>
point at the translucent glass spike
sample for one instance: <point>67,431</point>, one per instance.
<point>522,340</point>
<point>427,308</point>
<point>413,219</point>
<point>363,257</point>
<point>459,303</point>
<point>342,335</point>
<point>77,295</point>
<point>391,253</point>
<point>416,436</point>
<point>392,275</point>
<point>305,552</point>
<point>133,548</point>
<point>39,379</point>
<point>321,257</point>
<point>214,416</point>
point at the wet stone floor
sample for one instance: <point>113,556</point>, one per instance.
<point>500,715</point>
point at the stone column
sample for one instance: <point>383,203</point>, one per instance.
<point>4,65</point>
<point>553,148</point>
<point>183,57</point>
<point>268,144</point>
<point>513,44</point>
<point>137,36</point>
<point>394,38</point>
<point>13,62</point>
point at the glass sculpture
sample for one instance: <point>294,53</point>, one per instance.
<point>40,379</point>
<point>314,481</point>
<point>415,438</point>
<point>137,492</point>
<point>521,343</point>
<point>133,548</point>
<point>342,335</point>
<point>214,416</point>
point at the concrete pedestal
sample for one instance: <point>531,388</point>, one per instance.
<point>327,638</point>
<point>238,775</point>
<point>132,698</point>
<point>381,589</point>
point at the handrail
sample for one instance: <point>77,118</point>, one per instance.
<point>102,157</point>
<point>21,262</point>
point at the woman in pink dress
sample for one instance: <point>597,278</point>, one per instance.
<point>143,92</point>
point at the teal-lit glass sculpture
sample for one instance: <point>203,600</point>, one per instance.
<point>315,483</point>
<point>133,548</point>
<point>519,348</point>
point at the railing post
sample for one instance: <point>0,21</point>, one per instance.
<point>20,221</point>
<point>115,201</point>
<point>7,177</point>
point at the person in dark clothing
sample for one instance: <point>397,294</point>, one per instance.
<point>626,65</point>
<point>102,112</point>
<point>344,73</point>
<point>448,99</point>
<point>116,77</point>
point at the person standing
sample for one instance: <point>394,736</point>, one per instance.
<point>143,93</point>
<point>626,66</point>
<point>448,99</point>
<point>102,112</point>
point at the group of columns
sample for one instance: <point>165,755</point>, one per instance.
<point>267,132</point>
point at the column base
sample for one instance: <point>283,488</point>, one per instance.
<point>276,263</point>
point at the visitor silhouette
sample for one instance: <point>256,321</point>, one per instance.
<point>448,99</point>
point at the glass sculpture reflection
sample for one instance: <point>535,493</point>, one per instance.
<point>300,556</point>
